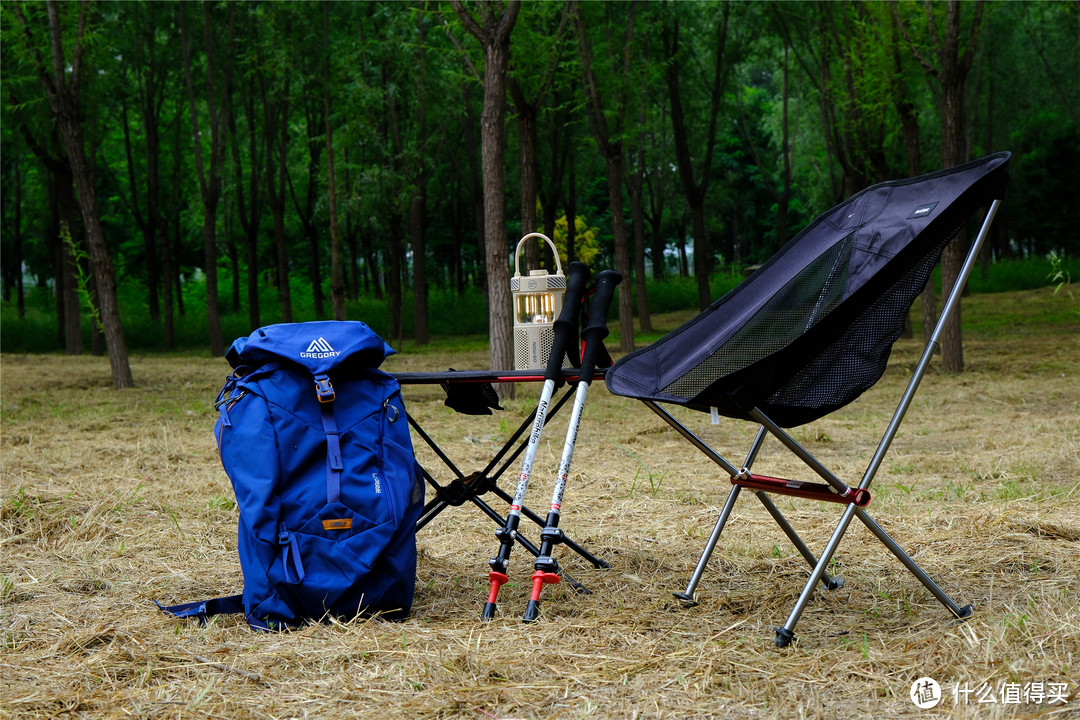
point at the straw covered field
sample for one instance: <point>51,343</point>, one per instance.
<point>111,500</point>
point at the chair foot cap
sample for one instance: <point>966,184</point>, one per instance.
<point>835,583</point>
<point>784,637</point>
<point>966,612</point>
<point>687,600</point>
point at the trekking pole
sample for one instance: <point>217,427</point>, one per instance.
<point>565,337</point>
<point>546,567</point>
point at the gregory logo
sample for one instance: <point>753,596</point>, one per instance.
<point>319,349</point>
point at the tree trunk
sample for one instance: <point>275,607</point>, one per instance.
<point>395,251</point>
<point>371,263</point>
<point>168,321</point>
<point>170,295</point>
<point>145,222</point>
<point>528,163</point>
<point>64,103</point>
<point>684,265</point>
<point>209,177</point>
<point>558,144</point>
<point>571,215</point>
<point>659,246</point>
<point>153,199</point>
<point>614,167</point>
<point>232,252</point>
<point>60,198</point>
<point>955,55</point>
<point>306,212</point>
<point>17,261</point>
<point>417,221</point>
<point>393,281</point>
<point>695,190</point>
<point>277,212</point>
<point>67,285</point>
<point>655,191</point>
<point>785,151</point>
<point>100,262</point>
<point>636,185</point>
<point>702,252</point>
<point>337,280</point>
<point>952,143</point>
<point>418,202</point>
<point>476,186</point>
<point>249,222</point>
<point>956,63</point>
<point>494,38</point>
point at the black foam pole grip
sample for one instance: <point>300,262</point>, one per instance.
<point>596,328</point>
<point>565,330</point>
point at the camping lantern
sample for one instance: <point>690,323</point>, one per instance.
<point>538,299</point>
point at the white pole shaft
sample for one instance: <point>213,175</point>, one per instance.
<point>568,447</point>
<point>530,449</point>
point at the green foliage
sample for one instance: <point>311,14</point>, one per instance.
<point>1026,274</point>
<point>1058,276</point>
<point>82,280</point>
<point>680,293</point>
<point>818,85</point>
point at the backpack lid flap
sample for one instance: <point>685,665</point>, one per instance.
<point>319,347</point>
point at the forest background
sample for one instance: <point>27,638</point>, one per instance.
<point>177,174</point>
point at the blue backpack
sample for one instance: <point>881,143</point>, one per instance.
<point>316,443</point>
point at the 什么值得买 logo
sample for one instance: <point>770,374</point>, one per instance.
<point>319,349</point>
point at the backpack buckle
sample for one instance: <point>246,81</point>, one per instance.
<point>323,389</point>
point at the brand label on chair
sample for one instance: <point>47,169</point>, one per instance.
<point>922,211</point>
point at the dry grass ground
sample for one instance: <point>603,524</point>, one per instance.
<point>112,499</point>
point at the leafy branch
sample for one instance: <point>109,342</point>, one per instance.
<point>82,280</point>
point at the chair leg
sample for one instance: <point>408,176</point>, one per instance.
<point>786,633</point>
<point>958,612</point>
<point>687,595</point>
<point>831,583</point>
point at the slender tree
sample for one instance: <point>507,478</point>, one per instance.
<point>13,267</point>
<point>62,211</point>
<point>248,191</point>
<point>695,189</point>
<point>275,86</point>
<point>609,141</point>
<point>61,83</point>
<point>148,71</point>
<point>635,186</point>
<point>420,173</point>
<point>492,31</point>
<point>953,53</point>
<point>530,85</point>
<point>209,173</point>
<point>337,282</point>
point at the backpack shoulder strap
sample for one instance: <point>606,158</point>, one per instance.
<point>324,391</point>
<point>205,608</point>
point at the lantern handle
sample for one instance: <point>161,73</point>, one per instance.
<point>554,252</point>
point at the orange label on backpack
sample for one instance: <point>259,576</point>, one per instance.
<point>337,524</point>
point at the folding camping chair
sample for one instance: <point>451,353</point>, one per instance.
<point>808,333</point>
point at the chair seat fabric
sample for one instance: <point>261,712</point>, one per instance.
<point>813,328</point>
